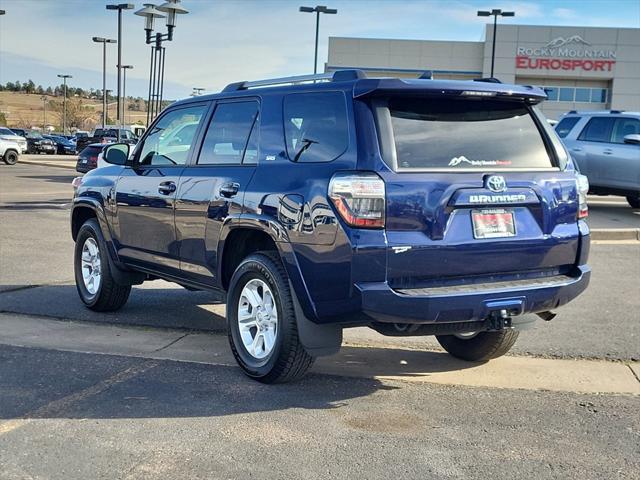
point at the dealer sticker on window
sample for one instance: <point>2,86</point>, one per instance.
<point>493,223</point>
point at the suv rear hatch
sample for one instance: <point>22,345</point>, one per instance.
<point>475,191</point>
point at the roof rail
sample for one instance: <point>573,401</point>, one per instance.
<point>487,80</point>
<point>616,111</point>
<point>337,76</point>
<point>426,75</point>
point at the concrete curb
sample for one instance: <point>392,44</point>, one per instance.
<point>384,363</point>
<point>615,234</point>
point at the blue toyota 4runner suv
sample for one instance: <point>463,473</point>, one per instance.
<point>415,207</point>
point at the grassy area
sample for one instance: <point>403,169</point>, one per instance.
<point>27,110</point>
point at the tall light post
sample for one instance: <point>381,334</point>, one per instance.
<point>44,115</point>
<point>104,42</point>
<point>318,10</point>
<point>496,12</point>
<point>124,91</point>
<point>120,7</point>
<point>150,12</point>
<point>64,102</point>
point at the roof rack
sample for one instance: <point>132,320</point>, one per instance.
<point>616,111</point>
<point>337,76</point>
<point>487,80</point>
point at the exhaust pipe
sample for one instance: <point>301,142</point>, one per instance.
<point>547,316</point>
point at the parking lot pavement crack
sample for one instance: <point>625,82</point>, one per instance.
<point>173,342</point>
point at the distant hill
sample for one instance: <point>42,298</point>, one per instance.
<point>27,110</point>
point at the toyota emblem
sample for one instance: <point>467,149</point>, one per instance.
<point>496,183</point>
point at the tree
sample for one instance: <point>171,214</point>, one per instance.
<point>39,90</point>
<point>29,87</point>
<point>49,91</point>
<point>3,119</point>
<point>17,87</point>
<point>78,114</point>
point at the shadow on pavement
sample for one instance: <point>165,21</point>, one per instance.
<point>66,179</point>
<point>49,384</point>
<point>157,307</point>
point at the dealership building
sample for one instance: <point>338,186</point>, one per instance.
<point>581,68</point>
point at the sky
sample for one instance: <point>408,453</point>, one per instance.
<point>224,41</point>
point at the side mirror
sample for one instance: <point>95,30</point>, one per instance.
<point>116,154</point>
<point>633,139</point>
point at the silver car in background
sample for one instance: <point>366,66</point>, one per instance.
<point>606,147</point>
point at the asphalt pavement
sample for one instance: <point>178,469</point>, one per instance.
<point>106,414</point>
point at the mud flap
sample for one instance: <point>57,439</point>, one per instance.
<point>318,340</point>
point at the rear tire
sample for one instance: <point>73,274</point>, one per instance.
<point>10,157</point>
<point>480,348</point>
<point>634,201</point>
<point>258,288</point>
<point>102,294</point>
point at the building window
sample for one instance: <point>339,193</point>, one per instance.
<point>573,94</point>
<point>552,93</point>
<point>583,94</point>
<point>566,94</point>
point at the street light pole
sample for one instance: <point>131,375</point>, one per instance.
<point>104,42</point>
<point>120,7</point>
<point>124,91</point>
<point>64,102</point>
<point>150,12</point>
<point>495,12</point>
<point>317,10</point>
<point>44,116</point>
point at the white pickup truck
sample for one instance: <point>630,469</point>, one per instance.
<point>9,151</point>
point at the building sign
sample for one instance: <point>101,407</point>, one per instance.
<point>571,53</point>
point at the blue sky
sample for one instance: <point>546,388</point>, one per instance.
<point>222,41</point>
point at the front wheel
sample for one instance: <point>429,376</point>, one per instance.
<point>95,283</point>
<point>479,346</point>
<point>261,322</point>
<point>10,157</point>
<point>634,201</point>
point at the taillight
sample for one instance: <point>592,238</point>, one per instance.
<point>359,198</point>
<point>583,188</point>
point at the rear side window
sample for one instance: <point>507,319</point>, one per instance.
<point>462,134</point>
<point>90,152</point>
<point>316,126</point>
<point>623,127</point>
<point>565,125</point>
<point>598,129</point>
<point>228,134</point>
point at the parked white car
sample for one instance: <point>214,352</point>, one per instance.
<point>6,134</point>
<point>9,151</point>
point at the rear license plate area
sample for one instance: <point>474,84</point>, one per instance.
<point>493,223</point>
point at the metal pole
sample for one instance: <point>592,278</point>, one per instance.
<point>493,48</point>
<point>119,66</point>
<point>44,118</point>
<point>124,95</point>
<point>64,107</point>
<point>150,84</point>
<point>161,91</point>
<point>104,84</point>
<point>315,57</point>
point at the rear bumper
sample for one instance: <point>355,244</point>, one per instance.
<point>470,303</point>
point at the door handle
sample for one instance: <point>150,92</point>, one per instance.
<point>230,189</point>
<point>576,149</point>
<point>167,188</point>
<point>607,151</point>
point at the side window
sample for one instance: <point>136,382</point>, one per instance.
<point>316,126</point>
<point>623,127</point>
<point>169,141</point>
<point>566,124</point>
<point>598,129</point>
<point>229,135</point>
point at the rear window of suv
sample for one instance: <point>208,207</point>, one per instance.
<point>457,134</point>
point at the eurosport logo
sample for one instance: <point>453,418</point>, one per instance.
<point>528,63</point>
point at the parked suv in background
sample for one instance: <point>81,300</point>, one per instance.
<point>11,136</point>
<point>106,135</point>
<point>317,203</point>
<point>606,147</point>
<point>36,143</point>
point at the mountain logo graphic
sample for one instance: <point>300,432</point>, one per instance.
<point>561,41</point>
